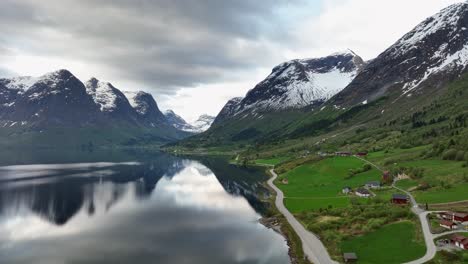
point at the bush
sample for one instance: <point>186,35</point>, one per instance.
<point>460,155</point>
<point>450,154</point>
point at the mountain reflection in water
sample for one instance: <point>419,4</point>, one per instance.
<point>159,209</point>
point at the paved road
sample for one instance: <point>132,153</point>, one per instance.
<point>312,246</point>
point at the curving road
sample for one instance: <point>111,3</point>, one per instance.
<point>311,244</point>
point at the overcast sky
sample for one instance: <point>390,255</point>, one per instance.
<point>193,55</point>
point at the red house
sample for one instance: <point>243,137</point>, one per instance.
<point>460,217</point>
<point>400,199</point>
<point>455,217</point>
<point>460,241</point>
<point>361,154</point>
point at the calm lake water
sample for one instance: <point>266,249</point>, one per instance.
<point>123,207</point>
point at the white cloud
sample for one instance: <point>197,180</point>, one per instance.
<point>366,26</point>
<point>190,103</point>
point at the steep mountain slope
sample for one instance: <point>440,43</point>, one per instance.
<point>229,109</point>
<point>146,108</point>
<point>422,61</point>
<point>177,121</point>
<point>111,101</point>
<point>58,110</point>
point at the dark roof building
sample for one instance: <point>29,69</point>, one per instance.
<point>400,199</point>
<point>363,192</point>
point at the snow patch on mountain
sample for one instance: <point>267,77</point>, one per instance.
<point>20,83</point>
<point>300,83</point>
<point>447,19</point>
<point>102,94</point>
<point>140,106</point>
<point>203,123</point>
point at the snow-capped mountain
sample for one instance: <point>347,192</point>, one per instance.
<point>55,98</point>
<point>111,101</point>
<point>59,99</point>
<point>426,58</point>
<point>200,125</point>
<point>297,84</point>
<point>146,108</point>
<point>177,121</point>
<point>203,123</point>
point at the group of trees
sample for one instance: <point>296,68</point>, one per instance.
<point>353,172</point>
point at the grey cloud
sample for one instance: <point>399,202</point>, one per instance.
<point>161,45</point>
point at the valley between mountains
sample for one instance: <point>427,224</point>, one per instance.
<point>370,155</point>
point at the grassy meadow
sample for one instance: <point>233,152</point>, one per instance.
<point>318,185</point>
<point>393,243</point>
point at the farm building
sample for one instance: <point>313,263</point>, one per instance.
<point>456,217</point>
<point>400,199</point>
<point>361,154</point>
<point>361,192</point>
<point>346,190</point>
<point>373,184</point>
<point>460,241</point>
<point>448,224</point>
<point>350,257</point>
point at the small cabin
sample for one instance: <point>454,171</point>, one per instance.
<point>361,192</point>
<point>400,199</point>
<point>448,224</point>
<point>373,185</point>
<point>350,257</point>
<point>361,154</point>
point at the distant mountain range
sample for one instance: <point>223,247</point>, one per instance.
<point>308,97</point>
<point>57,103</point>
<point>200,125</point>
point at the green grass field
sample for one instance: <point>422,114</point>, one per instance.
<point>273,161</point>
<point>406,184</point>
<point>448,179</point>
<point>318,185</point>
<point>394,243</point>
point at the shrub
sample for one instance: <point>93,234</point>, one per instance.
<point>460,155</point>
<point>449,154</point>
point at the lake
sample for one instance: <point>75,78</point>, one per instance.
<point>127,207</point>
